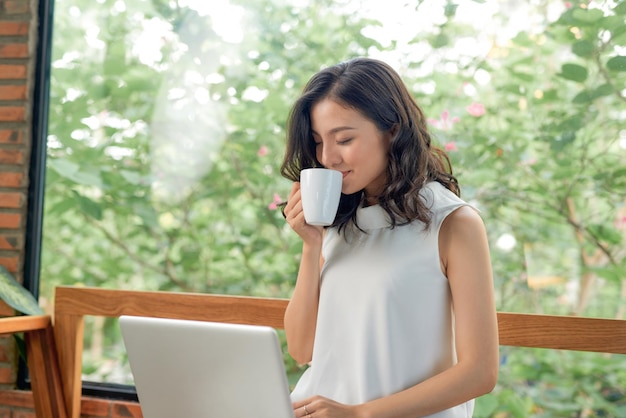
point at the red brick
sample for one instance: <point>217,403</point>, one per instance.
<point>10,28</point>
<point>17,398</point>
<point>11,114</point>
<point>5,354</point>
<point>17,92</point>
<point>11,137</point>
<point>10,243</point>
<point>11,200</point>
<point>5,413</point>
<point>6,375</point>
<point>95,407</point>
<point>10,263</point>
<point>10,156</point>
<point>13,72</point>
<point>10,220</point>
<point>13,51</point>
<point>6,310</point>
<point>126,410</point>
<point>24,414</point>
<point>11,179</point>
<point>14,7</point>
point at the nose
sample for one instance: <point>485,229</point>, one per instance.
<point>328,155</point>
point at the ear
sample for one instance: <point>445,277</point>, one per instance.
<point>391,133</point>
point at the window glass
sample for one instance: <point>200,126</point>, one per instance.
<point>167,128</point>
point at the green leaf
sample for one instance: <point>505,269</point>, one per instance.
<point>486,405</point>
<point>603,90</point>
<point>583,48</point>
<point>440,41</point>
<point>606,234</point>
<point>572,124</point>
<point>16,296</point>
<point>523,76</point>
<point>563,140</point>
<point>64,167</point>
<point>612,273</point>
<point>617,63</point>
<point>450,9</point>
<point>583,97</point>
<point>587,15</point>
<point>131,177</point>
<point>88,206</point>
<point>574,72</point>
<point>620,9</point>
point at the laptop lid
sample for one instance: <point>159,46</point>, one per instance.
<point>184,368</point>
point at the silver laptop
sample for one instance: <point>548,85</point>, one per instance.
<point>195,369</point>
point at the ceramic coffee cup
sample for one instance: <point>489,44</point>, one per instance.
<point>320,189</point>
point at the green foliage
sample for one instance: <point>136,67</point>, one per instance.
<point>16,296</point>
<point>552,383</point>
<point>163,157</point>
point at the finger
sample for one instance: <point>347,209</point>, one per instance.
<point>302,402</point>
<point>293,199</point>
<point>299,411</point>
<point>302,409</point>
<point>294,207</point>
<point>295,186</point>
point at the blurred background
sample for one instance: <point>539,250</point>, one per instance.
<point>167,130</point>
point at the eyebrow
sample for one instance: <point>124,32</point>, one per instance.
<point>336,130</point>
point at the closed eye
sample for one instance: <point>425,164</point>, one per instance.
<point>345,141</point>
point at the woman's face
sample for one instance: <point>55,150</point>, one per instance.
<point>349,142</point>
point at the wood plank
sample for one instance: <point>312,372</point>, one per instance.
<point>73,303</point>
<point>562,332</point>
<point>195,306</point>
<point>69,337</point>
<point>12,324</point>
<point>45,374</point>
<point>42,362</point>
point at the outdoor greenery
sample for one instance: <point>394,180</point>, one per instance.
<point>167,128</point>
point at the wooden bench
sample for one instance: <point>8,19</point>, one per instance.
<point>41,355</point>
<point>72,304</point>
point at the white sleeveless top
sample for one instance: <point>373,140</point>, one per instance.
<point>385,320</point>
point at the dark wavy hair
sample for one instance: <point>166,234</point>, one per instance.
<point>374,89</point>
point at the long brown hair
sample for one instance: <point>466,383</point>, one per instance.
<point>376,90</point>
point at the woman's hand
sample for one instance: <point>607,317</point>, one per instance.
<point>295,218</point>
<point>320,407</point>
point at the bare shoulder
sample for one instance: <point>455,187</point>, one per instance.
<point>463,220</point>
<point>462,230</point>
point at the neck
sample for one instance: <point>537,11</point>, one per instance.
<point>369,201</point>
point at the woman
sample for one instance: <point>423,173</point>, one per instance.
<point>393,305</point>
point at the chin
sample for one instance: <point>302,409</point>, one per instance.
<point>349,191</point>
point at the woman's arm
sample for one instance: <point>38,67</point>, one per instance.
<point>301,314</point>
<point>465,259</point>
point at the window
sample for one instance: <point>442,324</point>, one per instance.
<point>166,132</point>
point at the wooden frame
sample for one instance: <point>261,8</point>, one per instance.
<point>73,303</point>
<point>41,355</point>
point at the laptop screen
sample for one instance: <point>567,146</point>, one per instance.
<point>184,368</point>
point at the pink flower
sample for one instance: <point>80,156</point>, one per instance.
<point>568,4</point>
<point>445,122</point>
<point>275,202</point>
<point>451,146</point>
<point>476,109</point>
<point>262,151</point>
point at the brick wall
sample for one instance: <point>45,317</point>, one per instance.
<point>18,36</point>
<point>16,31</point>
<point>17,26</point>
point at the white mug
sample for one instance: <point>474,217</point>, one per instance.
<point>320,189</point>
